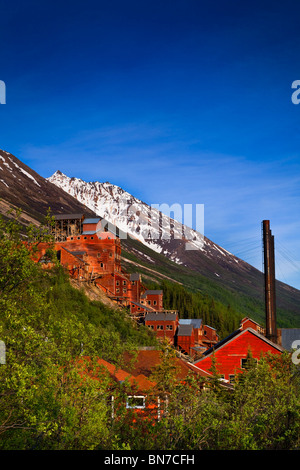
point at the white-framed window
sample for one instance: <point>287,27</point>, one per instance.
<point>160,327</point>
<point>169,327</point>
<point>136,401</point>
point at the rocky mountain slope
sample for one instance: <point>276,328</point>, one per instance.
<point>23,188</point>
<point>143,222</point>
<point>207,268</point>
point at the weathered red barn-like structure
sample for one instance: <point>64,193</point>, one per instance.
<point>231,353</point>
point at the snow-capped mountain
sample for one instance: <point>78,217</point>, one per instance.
<point>139,220</point>
<point>155,240</point>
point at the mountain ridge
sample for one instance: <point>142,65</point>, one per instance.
<point>208,269</point>
<point>23,188</point>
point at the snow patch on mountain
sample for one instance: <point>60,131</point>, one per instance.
<point>4,162</point>
<point>134,217</point>
<point>129,214</point>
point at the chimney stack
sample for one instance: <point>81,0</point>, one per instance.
<point>269,269</point>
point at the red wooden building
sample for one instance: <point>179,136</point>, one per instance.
<point>249,323</point>
<point>90,252</point>
<point>185,339</point>
<point>231,353</point>
<point>164,324</point>
<point>193,337</point>
<point>153,299</point>
<point>209,336</point>
<point>134,391</point>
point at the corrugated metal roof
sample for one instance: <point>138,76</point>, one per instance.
<point>161,316</point>
<point>94,220</point>
<point>185,330</point>
<point>196,322</point>
<point>152,292</point>
<point>288,336</point>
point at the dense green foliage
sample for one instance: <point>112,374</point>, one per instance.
<point>45,325</point>
<point>197,305</point>
<point>53,395</point>
<point>262,412</point>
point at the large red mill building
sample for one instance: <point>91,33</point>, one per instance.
<point>92,253</point>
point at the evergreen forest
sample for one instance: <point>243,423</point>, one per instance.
<point>54,396</point>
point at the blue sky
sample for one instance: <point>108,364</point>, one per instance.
<point>179,101</point>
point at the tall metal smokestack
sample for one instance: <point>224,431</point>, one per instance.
<point>270,294</point>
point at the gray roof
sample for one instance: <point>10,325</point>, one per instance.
<point>135,276</point>
<point>185,330</point>
<point>152,292</point>
<point>195,322</point>
<point>94,220</point>
<point>161,316</point>
<point>74,253</point>
<point>288,336</point>
<point>68,216</point>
